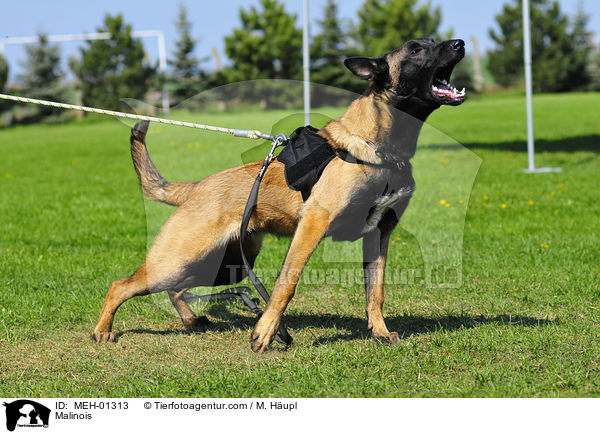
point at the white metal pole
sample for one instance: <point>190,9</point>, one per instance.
<point>528,91</point>
<point>162,61</point>
<point>306,64</point>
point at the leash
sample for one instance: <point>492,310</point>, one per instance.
<point>282,335</point>
<point>250,134</point>
<point>241,293</point>
<point>229,294</point>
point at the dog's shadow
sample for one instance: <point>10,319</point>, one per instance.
<point>353,328</point>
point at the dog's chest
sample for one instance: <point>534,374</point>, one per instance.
<point>369,204</point>
<point>384,203</point>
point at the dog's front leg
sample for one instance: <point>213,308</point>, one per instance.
<point>311,229</point>
<point>375,246</point>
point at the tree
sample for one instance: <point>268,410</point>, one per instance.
<point>327,53</point>
<point>584,43</point>
<point>558,55</point>
<point>115,68</point>
<point>4,105</point>
<point>186,77</point>
<point>42,74</point>
<point>268,45</point>
<point>3,72</point>
<point>594,68</point>
<point>385,24</point>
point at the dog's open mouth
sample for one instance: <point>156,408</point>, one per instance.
<point>442,88</point>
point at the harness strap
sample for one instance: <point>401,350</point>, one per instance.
<point>282,335</point>
<point>241,293</point>
<point>349,158</point>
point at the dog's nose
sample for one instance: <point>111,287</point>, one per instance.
<point>457,44</point>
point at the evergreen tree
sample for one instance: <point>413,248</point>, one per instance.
<point>594,68</point>
<point>3,72</point>
<point>585,49</point>
<point>267,45</point>
<point>327,53</point>
<point>558,54</point>
<point>115,68</point>
<point>186,78</point>
<point>42,74</point>
<point>385,24</point>
<point>4,105</point>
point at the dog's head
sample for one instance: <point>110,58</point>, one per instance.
<point>417,72</point>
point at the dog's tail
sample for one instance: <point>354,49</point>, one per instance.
<point>154,186</point>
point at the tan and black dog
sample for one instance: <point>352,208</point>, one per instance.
<point>198,245</point>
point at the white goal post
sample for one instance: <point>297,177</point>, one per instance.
<point>529,95</point>
<point>158,34</point>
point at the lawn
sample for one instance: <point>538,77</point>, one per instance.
<point>518,317</point>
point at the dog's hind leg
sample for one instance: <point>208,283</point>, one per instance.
<point>189,319</point>
<point>119,292</point>
<point>375,246</point>
<point>174,262</point>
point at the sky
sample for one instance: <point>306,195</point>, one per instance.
<point>212,20</point>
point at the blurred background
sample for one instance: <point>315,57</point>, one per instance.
<point>208,44</point>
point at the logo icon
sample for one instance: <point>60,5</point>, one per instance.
<point>26,413</point>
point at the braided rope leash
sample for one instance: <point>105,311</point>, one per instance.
<point>251,134</point>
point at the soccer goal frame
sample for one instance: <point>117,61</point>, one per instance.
<point>158,34</point>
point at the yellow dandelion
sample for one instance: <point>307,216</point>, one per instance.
<point>442,202</point>
<point>547,196</point>
<point>398,238</point>
<point>552,193</point>
<point>461,201</point>
<point>190,145</point>
<point>8,175</point>
<point>503,206</point>
<point>446,204</point>
<point>555,211</point>
<point>75,192</point>
<point>530,202</point>
<point>486,197</point>
<point>561,186</point>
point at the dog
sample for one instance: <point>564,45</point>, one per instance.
<point>198,245</point>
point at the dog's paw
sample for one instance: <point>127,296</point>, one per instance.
<point>198,323</point>
<point>259,344</point>
<point>390,338</point>
<point>104,337</point>
<point>262,336</point>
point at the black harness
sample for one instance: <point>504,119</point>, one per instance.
<point>305,155</point>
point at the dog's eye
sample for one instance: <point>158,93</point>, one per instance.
<point>416,51</point>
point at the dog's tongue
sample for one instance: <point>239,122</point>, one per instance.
<point>443,88</point>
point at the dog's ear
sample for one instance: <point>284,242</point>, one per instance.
<point>367,68</point>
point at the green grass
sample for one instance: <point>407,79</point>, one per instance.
<point>524,322</point>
